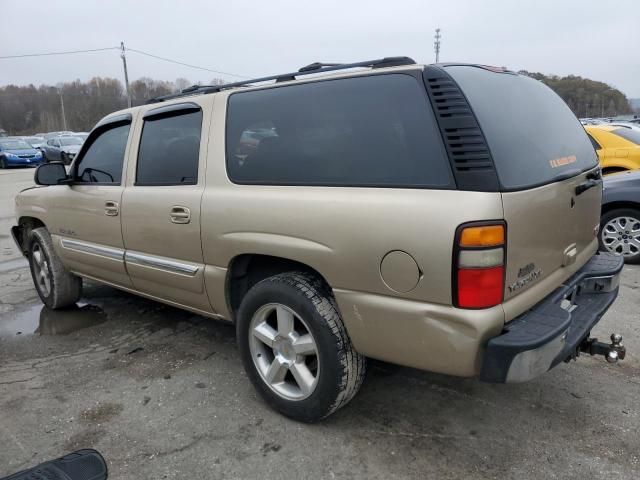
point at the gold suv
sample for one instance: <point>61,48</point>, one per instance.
<point>443,217</point>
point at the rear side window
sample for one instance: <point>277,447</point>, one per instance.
<point>628,134</point>
<point>533,136</point>
<point>365,131</point>
<point>170,149</point>
<point>102,161</point>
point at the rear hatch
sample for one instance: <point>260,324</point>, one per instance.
<point>543,160</point>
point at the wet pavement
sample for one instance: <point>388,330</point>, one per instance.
<point>162,394</point>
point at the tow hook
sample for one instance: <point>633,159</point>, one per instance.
<point>612,352</point>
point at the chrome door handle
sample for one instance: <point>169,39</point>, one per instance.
<point>180,215</point>
<point>111,208</point>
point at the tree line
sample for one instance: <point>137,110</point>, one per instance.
<point>585,97</point>
<point>30,109</point>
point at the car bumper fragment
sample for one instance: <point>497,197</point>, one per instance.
<point>554,329</point>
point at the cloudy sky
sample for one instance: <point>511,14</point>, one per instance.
<point>254,38</point>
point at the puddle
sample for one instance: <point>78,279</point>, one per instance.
<point>40,320</point>
<point>15,264</point>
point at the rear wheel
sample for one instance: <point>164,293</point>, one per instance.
<point>295,348</point>
<point>56,286</point>
<point>620,233</point>
<point>3,163</point>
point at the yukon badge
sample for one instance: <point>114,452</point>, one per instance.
<point>526,275</point>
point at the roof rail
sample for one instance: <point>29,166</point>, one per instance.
<point>310,69</point>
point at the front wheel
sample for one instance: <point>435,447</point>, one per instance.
<point>295,347</point>
<point>620,233</point>
<point>64,158</point>
<point>56,286</point>
<point>3,163</point>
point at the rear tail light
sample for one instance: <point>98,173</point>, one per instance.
<point>478,269</point>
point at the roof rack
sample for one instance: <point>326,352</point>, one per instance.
<point>312,68</point>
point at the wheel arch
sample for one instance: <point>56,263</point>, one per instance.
<point>247,269</point>
<point>21,231</point>
<point>608,207</point>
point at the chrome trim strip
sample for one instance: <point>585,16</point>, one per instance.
<point>161,263</point>
<point>92,248</point>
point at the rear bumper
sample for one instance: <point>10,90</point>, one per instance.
<point>552,330</point>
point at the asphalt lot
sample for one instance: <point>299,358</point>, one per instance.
<point>162,394</point>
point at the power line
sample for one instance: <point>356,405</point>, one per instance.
<point>185,64</point>
<point>47,54</point>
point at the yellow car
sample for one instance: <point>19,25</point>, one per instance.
<point>618,148</point>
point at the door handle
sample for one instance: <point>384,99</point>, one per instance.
<point>111,208</point>
<point>180,215</point>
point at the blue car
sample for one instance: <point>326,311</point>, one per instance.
<point>15,152</point>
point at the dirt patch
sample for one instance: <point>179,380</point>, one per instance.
<point>84,439</point>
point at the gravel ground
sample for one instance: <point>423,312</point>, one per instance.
<point>162,394</point>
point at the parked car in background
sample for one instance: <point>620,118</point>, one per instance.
<point>62,148</point>
<point>625,124</point>
<point>56,134</point>
<point>620,221</point>
<point>618,148</point>
<point>15,152</point>
<point>81,135</point>
<point>35,141</point>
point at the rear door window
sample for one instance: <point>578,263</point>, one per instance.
<point>375,131</point>
<point>170,149</point>
<point>533,136</point>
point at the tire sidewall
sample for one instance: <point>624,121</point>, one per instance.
<point>319,403</point>
<point>607,217</point>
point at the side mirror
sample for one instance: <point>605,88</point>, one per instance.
<point>50,174</point>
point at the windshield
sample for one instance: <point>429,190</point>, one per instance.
<point>34,140</point>
<point>70,141</point>
<point>628,134</point>
<point>15,145</point>
<point>533,136</point>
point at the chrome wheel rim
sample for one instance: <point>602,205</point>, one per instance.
<point>41,271</point>
<point>284,351</point>
<point>621,235</point>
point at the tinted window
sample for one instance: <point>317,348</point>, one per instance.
<point>533,136</point>
<point>628,134</point>
<point>102,160</point>
<point>169,150</point>
<point>366,131</point>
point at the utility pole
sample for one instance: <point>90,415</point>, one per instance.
<point>436,44</point>
<point>126,74</point>
<point>64,117</point>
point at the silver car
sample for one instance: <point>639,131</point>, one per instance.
<point>62,148</point>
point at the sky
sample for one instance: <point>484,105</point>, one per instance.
<point>253,38</point>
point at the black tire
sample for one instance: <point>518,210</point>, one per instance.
<point>341,369</point>
<point>64,158</point>
<point>3,163</point>
<point>64,288</point>
<point>629,213</point>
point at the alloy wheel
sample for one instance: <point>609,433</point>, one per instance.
<point>42,273</point>
<point>284,351</point>
<point>621,235</point>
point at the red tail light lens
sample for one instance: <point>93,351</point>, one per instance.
<point>479,258</point>
<point>480,287</point>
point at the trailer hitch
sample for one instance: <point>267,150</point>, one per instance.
<point>612,352</point>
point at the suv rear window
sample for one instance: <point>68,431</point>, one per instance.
<point>533,136</point>
<point>371,131</point>
<point>628,134</point>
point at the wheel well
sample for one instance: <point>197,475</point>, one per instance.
<point>248,269</point>
<point>609,170</point>
<point>26,224</point>
<point>616,205</point>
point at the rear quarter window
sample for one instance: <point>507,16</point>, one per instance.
<point>628,134</point>
<point>533,136</point>
<point>375,131</point>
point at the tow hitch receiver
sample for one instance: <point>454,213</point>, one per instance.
<point>612,352</point>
